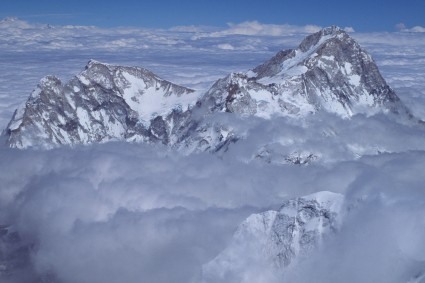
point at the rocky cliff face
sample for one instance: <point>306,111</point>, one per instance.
<point>102,103</point>
<point>328,71</point>
<point>277,238</point>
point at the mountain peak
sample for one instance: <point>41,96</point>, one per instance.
<point>92,62</point>
<point>279,237</point>
<point>328,71</point>
<point>102,103</point>
<point>331,30</point>
<point>310,47</point>
<point>322,36</point>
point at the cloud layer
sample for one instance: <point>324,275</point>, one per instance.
<point>122,212</point>
<point>126,212</point>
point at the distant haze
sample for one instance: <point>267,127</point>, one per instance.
<point>363,15</point>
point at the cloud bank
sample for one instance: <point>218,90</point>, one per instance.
<point>118,212</point>
<point>122,212</point>
<point>257,28</point>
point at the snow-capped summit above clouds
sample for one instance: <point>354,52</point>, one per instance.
<point>131,210</point>
<point>327,71</point>
<point>102,103</point>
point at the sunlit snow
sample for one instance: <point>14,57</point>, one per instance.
<point>131,212</point>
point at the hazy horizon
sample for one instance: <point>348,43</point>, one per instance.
<point>136,212</point>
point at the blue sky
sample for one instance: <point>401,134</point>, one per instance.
<point>363,15</point>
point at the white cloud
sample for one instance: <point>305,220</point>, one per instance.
<point>226,46</point>
<point>123,212</point>
<point>403,28</point>
<point>193,29</point>
<point>136,211</point>
<point>349,29</point>
<point>259,29</point>
<point>416,29</point>
<point>15,23</point>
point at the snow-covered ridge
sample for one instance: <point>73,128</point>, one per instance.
<point>104,102</point>
<point>328,71</point>
<point>277,238</point>
<point>145,93</point>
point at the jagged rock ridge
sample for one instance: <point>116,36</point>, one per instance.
<point>328,71</point>
<point>102,103</point>
<point>277,238</point>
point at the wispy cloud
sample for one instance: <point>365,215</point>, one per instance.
<point>403,28</point>
<point>253,28</point>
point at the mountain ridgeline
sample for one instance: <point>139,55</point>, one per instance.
<point>328,71</point>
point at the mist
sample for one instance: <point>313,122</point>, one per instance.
<point>134,212</point>
<point>123,212</point>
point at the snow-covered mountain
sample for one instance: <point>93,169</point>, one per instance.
<point>317,175</point>
<point>276,239</point>
<point>102,103</point>
<point>327,72</point>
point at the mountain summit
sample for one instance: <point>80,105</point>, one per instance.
<point>277,239</point>
<point>102,103</point>
<point>328,71</point>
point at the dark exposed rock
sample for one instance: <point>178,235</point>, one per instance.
<point>279,237</point>
<point>102,103</point>
<point>328,71</point>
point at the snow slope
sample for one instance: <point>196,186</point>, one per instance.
<point>276,239</point>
